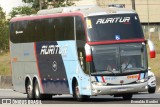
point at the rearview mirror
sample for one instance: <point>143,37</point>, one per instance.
<point>149,68</point>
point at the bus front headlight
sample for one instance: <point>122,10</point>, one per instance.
<point>142,80</point>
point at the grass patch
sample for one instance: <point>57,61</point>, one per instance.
<point>155,62</point>
<point>5,67</point>
<point>155,65</point>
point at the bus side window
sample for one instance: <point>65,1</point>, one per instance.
<point>59,29</point>
<point>80,32</point>
<point>20,32</point>
<point>30,35</point>
<point>69,28</point>
<point>50,30</point>
<point>37,31</point>
<point>13,32</point>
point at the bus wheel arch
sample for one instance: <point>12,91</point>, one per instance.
<point>76,91</point>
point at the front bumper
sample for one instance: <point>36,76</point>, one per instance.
<point>119,89</point>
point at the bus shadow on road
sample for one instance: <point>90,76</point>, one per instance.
<point>86,101</point>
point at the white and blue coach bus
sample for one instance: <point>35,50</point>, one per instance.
<point>82,51</point>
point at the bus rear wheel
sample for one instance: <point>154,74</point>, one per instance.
<point>38,95</point>
<point>37,90</point>
<point>76,93</point>
<point>29,90</point>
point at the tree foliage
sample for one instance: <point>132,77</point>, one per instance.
<point>46,3</point>
<point>34,3</point>
<point>62,3</point>
<point>22,10</point>
<point>4,32</point>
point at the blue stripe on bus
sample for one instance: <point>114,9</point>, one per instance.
<point>96,78</point>
<point>73,68</point>
<point>141,75</point>
<point>99,78</point>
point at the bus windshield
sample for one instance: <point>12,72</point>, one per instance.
<point>114,27</point>
<point>119,58</point>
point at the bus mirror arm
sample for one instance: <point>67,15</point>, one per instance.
<point>151,49</point>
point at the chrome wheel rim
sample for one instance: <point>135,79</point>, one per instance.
<point>37,91</point>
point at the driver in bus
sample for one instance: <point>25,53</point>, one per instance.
<point>126,64</point>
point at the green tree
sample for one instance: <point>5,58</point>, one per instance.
<point>22,10</point>
<point>62,3</point>
<point>34,3</point>
<point>43,4</point>
<point>4,32</point>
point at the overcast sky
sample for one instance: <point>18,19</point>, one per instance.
<point>7,5</point>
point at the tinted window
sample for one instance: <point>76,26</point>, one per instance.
<point>69,28</point>
<point>49,27</point>
<point>80,32</point>
<point>114,27</point>
<point>56,29</point>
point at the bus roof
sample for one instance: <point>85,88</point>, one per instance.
<point>84,10</point>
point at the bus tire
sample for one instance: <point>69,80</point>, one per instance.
<point>36,90</point>
<point>38,95</point>
<point>127,96</point>
<point>29,90</point>
<point>151,90</point>
<point>76,93</point>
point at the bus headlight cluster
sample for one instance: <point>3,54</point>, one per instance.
<point>99,83</point>
<point>142,80</point>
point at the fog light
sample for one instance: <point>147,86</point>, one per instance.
<point>99,83</point>
<point>94,91</point>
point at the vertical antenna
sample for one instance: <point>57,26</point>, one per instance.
<point>133,4</point>
<point>148,20</point>
<point>40,5</point>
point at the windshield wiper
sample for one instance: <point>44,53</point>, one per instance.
<point>112,72</point>
<point>139,69</point>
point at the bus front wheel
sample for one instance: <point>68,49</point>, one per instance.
<point>76,93</point>
<point>127,96</point>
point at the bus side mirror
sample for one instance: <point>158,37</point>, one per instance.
<point>151,49</point>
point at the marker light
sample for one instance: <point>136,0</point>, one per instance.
<point>152,49</point>
<point>88,53</point>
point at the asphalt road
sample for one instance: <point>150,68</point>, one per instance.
<point>141,98</point>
